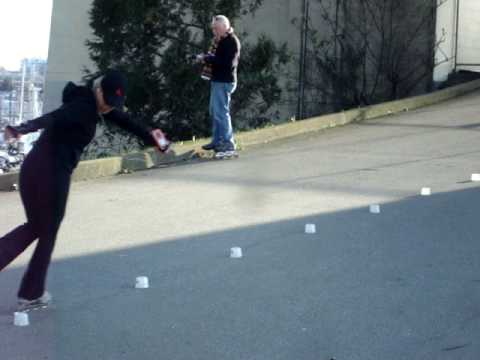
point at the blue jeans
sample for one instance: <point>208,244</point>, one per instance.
<point>222,131</point>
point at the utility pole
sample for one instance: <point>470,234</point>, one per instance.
<point>22,92</point>
<point>10,110</point>
<point>303,59</point>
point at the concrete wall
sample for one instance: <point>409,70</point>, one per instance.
<point>67,55</point>
<point>275,19</point>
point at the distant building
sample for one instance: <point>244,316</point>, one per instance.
<point>22,98</point>
<point>9,104</point>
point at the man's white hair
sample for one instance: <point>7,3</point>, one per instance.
<point>222,19</point>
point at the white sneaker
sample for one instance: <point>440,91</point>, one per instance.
<point>226,154</point>
<point>39,303</point>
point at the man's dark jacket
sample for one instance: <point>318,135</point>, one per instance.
<point>225,61</point>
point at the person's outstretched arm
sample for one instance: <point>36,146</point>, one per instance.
<point>124,121</point>
<point>149,136</point>
<point>34,125</point>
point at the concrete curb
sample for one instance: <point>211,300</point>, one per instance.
<point>345,117</point>
<point>7,181</point>
<point>88,170</point>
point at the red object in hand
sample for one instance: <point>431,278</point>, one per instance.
<point>160,140</point>
<point>11,135</point>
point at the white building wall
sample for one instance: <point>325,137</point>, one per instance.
<point>446,34</point>
<point>457,48</point>
<point>468,56</point>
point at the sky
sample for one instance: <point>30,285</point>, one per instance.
<point>24,31</point>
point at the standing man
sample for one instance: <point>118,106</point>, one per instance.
<point>223,84</point>
<point>46,172</point>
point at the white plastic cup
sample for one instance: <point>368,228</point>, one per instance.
<point>426,191</point>
<point>163,143</point>
<point>375,209</point>
<point>142,282</point>
<point>310,229</point>
<point>20,319</point>
<point>236,253</point>
<point>475,177</point>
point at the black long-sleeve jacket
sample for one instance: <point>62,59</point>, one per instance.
<point>70,128</point>
<point>225,60</point>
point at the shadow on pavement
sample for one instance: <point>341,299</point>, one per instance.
<point>403,284</point>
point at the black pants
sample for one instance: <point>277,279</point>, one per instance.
<point>44,191</point>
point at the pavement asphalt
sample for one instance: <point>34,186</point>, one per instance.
<point>402,284</point>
